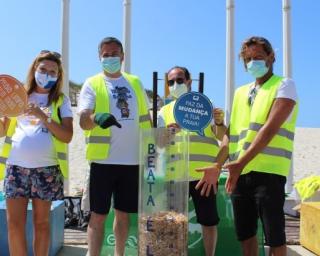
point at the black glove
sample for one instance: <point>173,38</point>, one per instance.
<point>105,120</point>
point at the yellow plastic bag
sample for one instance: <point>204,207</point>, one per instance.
<point>307,187</point>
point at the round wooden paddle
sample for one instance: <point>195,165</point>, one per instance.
<point>13,97</point>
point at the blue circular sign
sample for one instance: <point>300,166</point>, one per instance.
<point>193,111</point>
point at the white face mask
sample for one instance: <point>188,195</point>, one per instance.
<point>177,90</point>
<point>44,80</point>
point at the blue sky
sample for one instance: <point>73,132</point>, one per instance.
<point>166,33</point>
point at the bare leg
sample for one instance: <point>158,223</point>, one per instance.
<point>16,219</point>
<point>250,247</point>
<point>278,251</point>
<point>209,239</point>
<point>95,233</point>
<point>120,230</point>
<point>41,226</point>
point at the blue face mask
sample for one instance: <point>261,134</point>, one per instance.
<point>111,64</point>
<point>44,80</point>
<point>257,68</point>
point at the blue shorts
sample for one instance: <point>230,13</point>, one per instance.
<point>45,183</point>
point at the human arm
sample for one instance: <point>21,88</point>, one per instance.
<point>218,127</point>
<point>62,131</point>
<point>280,111</point>
<point>87,119</point>
<point>87,101</point>
<point>211,173</point>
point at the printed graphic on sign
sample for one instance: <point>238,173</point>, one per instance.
<point>193,111</point>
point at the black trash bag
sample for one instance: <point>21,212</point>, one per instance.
<point>85,220</point>
<point>73,212</point>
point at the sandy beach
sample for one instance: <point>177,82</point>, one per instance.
<point>306,158</point>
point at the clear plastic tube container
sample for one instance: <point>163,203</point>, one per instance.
<point>163,192</point>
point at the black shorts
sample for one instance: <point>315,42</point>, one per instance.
<point>117,181</point>
<point>205,207</point>
<point>260,195</point>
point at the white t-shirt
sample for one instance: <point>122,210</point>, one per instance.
<point>32,144</point>
<point>124,145</point>
<point>287,89</point>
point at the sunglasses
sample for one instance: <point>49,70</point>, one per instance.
<point>55,54</point>
<point>178,80</point>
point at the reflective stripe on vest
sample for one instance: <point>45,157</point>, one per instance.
<point>256,127</point>
<point>245,123</point>
<point>3,160</point>
<point>98,139</point>
<point>202,149</point>
<point>267,151</point>
<point>62,156</point>
<point>200,139</point>
<point>144,118</point>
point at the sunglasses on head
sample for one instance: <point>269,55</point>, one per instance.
<point>55,54</point>
<point>178,80</point>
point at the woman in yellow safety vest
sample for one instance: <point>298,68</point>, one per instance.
<point>34,154</point>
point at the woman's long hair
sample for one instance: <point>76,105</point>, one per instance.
<point>31,84</point>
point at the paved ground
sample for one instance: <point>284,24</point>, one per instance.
<point>75,241</point>
<point>81,250</point>
<point>73,250</point>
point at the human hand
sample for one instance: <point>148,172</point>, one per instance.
<point>34,110</point>
<point>218,116</point>
<point>209,179</point>
<point>4,123</point>
<point>235,168</point>
<point>174,127</point>
<point>105,120</point>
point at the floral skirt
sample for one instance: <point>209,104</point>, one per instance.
<point>45,183</point>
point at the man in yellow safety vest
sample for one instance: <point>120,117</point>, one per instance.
<point>259,144</point>
<point>113,108</point>
<point>202,151</point>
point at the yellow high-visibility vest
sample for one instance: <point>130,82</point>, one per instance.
<point>98,139</point>
<point>246,121</point>
<point>61,148</point>
<point>203,150</point>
